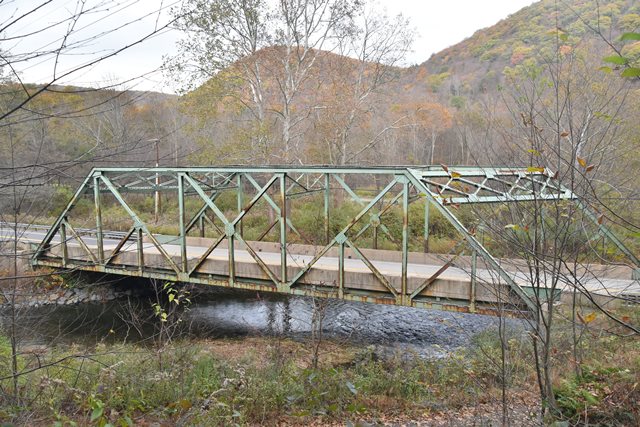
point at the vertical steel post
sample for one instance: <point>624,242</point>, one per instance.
<point>472,291</point>
<point>326,208</point>
<point>201,224</point>
<point>426,225</point>
<point>183,234</point>
<point>283,230</point>
<point>99,236</point>
<point>140,243</point>
<point>341,270</point>
<point>405,238</point>
<point>232,260</point>
<point>63,242</point>
<point>375,236</point>
<point>240,201</point>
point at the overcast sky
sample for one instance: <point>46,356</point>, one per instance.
<point>438,23</point>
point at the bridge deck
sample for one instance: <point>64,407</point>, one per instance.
<point>450,288</point>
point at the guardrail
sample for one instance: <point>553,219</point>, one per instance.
<point>116,235</point>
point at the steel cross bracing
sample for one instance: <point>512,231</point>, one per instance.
<point>185,258</point>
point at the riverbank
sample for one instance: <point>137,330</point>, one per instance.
<point>272,381</point>
<point>255,381</point>
<point>45,287</point>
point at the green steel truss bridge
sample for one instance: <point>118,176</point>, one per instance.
<point>212,208</point>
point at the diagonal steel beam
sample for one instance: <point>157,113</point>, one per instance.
<point>56,225</point>
<point>607,233</point>
<point>259,261</point>
<point>206,254</point>
<point>437,274</point>
<point>381,278</point>
<point>138,222</point>
<point>358,200</point>
<point>120,244</point>
<point>206,199</point>
<point>273,204</point>
<point>382,212</point>
<point>342,235</point>
<point>415,178</point>
<point>82,243</point>
<point>231,225</point>
<point>204,207</point>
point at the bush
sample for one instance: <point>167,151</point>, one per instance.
<point>600,395</point>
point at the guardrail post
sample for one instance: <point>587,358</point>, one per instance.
<point>140,246</point>
<point>405,237</point>
<point>341,270</point>
<point>375,236</point>
<point>240,203</point>
<point>98,207</point>
<point>426,225</point>
<point>232,258</point>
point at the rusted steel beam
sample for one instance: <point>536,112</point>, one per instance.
<point>373,269</point>
<point>83,245</point>
<point>120,244</point>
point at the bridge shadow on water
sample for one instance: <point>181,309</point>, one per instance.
<point>224,313</point>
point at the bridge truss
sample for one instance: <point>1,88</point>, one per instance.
<point>212,205</point>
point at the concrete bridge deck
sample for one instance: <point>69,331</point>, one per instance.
<point>453,288</point>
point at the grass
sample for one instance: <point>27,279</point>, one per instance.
<point>226,382</point>
<point>259,380</point>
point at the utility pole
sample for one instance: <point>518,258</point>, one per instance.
<point>156,193</point>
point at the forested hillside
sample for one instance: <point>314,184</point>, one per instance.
<point>539,32</point>
<point>358,105</point>
<point>443,111</point>
<point>81,127</point>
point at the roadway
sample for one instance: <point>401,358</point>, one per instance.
<point>416,272</point>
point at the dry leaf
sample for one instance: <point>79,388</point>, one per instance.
<point>535,169</point>
<point>590,317</point>
<point>582,162</point>
<point>564,134</point>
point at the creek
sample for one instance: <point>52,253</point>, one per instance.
<point>225,314</point>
